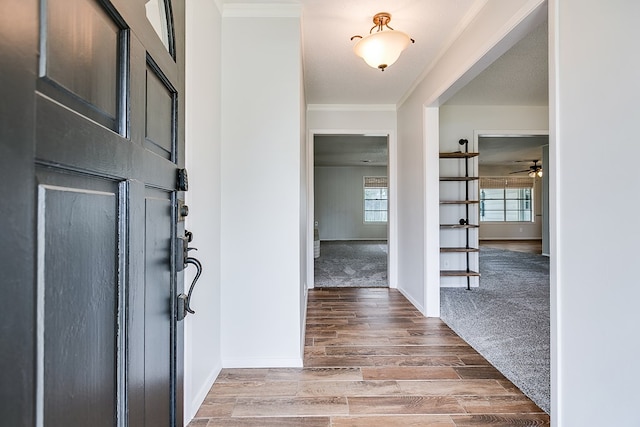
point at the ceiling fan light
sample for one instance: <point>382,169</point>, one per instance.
<point>383,48</point>
<point>532,174</point>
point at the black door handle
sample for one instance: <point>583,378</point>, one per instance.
<point>187,302</point>
<point>184,300</point>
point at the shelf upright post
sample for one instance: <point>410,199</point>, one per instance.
<point>465,142</point>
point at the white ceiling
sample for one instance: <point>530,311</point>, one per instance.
<point>501,155</point>
<point>333,74</point>
<point>519,77</point>
<point>350,150</point>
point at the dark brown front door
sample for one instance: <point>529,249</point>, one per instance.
<point>92,139</point>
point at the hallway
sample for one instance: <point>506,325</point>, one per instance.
<point>371,359</point>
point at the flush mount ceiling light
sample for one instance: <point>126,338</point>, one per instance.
<point>382,48</point>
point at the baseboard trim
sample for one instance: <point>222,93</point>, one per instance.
<point>201,395</point>
<point>263,363</point>
<point>515,239</point>
<point>356,239</point>
<point>420,307</point>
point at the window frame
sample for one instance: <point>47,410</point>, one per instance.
<point>509,184</point>
<point>365,187</point>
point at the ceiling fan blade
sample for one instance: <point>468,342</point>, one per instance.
<point>522,171</point>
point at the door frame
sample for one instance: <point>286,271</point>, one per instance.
<point>392,225</point>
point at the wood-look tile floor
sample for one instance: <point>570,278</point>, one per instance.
<point>371,359</point>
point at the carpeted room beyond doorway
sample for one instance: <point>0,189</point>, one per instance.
<point>506,319</point>
<point>351,264</point>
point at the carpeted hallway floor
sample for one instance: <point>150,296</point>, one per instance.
<point>351,264</point>
<point>506,319</point>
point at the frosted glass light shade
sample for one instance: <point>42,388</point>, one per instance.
<point>382,48</point>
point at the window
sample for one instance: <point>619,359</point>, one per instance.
<point>375,199</point>
<point>506,199</point>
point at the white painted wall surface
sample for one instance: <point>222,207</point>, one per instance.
<point>202,330</point>
<point>260,238</point>
<point>350,118</point>
<point>460,121</point>
<point>594,66</point>
<point>411,203</point>
<point>339,203</point>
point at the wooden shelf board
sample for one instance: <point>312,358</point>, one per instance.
<point>459,226</point>
<point>458,273</point>
<point>459,178</point>
<point>458,155</point>
<point>459,202</point>
<point>457,250</point>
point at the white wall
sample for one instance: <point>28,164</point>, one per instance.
<point>594,68</point>
<point>356,119</point>
<point>339,203</point>
<point>411,203</point>
<point>351,118</point>
<point>261,179</point>
<point>202,330</point>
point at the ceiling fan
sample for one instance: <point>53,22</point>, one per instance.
<point>534,170</point>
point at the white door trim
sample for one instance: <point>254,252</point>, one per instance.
<point>392,171</point>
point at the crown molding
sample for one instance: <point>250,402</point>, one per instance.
<point>254,10</point>
<point>471,14</point>
<point>351,107</point>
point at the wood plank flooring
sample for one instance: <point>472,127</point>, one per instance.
<point>371,359</point>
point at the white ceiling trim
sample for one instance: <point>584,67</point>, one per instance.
<point>220,5</point>
<point>462,25</point>
<point>252,10</point>
<point>351,107</point>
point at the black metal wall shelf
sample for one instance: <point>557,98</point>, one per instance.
<point>463,224</point>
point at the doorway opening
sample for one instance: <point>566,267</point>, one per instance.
<point>351,210</point>
<point>512,217</point>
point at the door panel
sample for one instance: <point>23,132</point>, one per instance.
<point>108,145</point>
<point>158,313</point>
<point>82,51</point>
<point>78,295</point>
<point>160,114</point>
<point>83,64</point>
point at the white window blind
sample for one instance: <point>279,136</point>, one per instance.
<point>375,182</point>
<point>506,182</point>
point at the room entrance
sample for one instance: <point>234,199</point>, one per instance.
<point>351,210</point>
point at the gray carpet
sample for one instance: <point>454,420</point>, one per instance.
<point>351,264</point>
<point>506,319</point>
